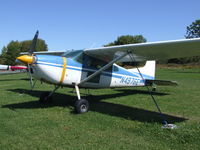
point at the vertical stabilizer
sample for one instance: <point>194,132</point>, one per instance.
<point>148,71</point>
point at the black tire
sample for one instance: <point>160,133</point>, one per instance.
<point>81,106</point>
<point>44,97</point>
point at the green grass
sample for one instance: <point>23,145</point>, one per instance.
<point>122,118</point>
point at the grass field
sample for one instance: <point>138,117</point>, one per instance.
<point>122,118</point>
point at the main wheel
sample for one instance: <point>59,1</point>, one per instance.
<point>81,106</point>
<point>44,97</point>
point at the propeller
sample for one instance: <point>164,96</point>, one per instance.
<point>30,76</point>
<point>33,45</point>
<point>29,59</point>
<point>30,52</point>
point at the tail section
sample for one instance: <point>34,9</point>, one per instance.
<point>148,71</point>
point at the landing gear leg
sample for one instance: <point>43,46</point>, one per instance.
<point>81,105</point>
<point>47,96</point>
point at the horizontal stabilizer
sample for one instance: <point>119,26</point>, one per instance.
<point>161,82</point>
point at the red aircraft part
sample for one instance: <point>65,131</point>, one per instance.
<point>17,67</point>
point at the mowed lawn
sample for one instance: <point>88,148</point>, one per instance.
<point>122,118</point>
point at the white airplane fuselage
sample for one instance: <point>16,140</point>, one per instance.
<point>68,72</point>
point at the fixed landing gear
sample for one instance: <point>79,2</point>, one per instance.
<point>81,105</point>
<point>45,98</point>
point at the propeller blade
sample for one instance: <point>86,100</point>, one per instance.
<point>33,45</point>
<point>30,77</point>
<point>34,84</point>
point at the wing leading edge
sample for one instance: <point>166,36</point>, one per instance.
<point>149,51</point>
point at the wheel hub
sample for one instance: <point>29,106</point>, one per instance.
<point>83,108</point>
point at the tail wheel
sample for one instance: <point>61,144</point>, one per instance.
<point>81,106</point>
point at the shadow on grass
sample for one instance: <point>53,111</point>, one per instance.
<point>112,109</point>
<point>26,79</point>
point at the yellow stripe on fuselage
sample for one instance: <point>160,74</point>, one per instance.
<point>63,70</point>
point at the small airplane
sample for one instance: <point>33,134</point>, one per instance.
<point>12,68</point>
<point>7,69</point>
<point>97,68</point>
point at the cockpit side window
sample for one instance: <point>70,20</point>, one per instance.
<point>91,62</point>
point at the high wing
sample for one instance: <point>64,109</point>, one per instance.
<point>149,51</point>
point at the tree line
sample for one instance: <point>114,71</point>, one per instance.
<point>14,48</point>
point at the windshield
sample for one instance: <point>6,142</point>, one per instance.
<point>74,54</point>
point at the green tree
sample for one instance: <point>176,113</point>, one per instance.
<point>2,56</point>
<point>193,30</point>
<point>40,46</point>
<point>127,39</point>
<point>10,52</point>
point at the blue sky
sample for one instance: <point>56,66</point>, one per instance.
<point>78,24</point>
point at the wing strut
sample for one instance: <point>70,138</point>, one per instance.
<point>103,68</point>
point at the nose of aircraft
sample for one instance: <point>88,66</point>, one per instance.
<point>26,59</point>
